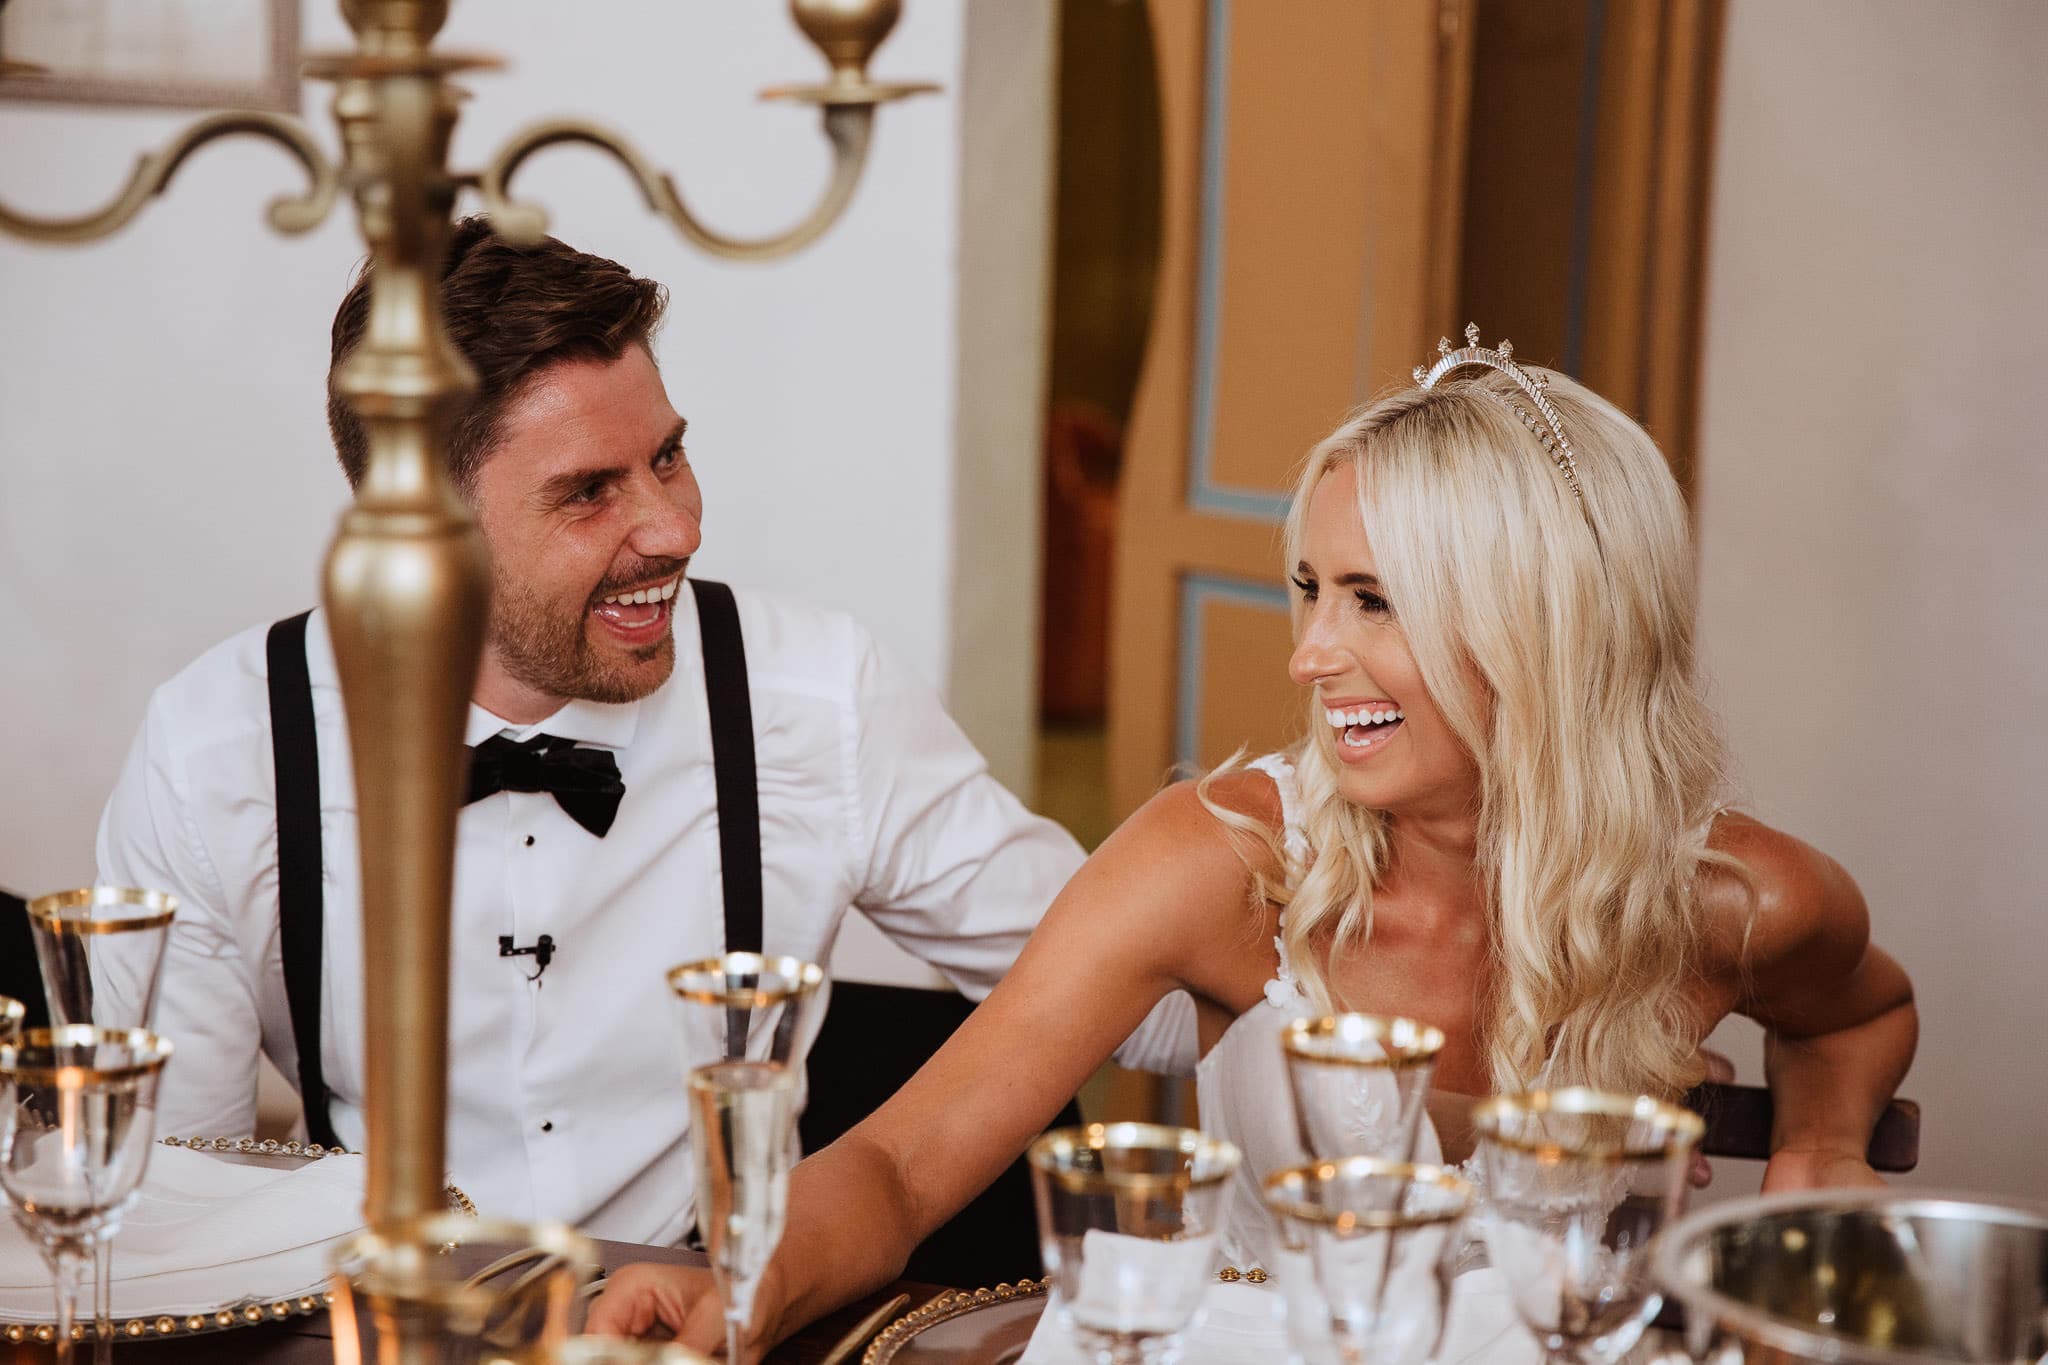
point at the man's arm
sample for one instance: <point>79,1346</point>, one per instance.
<point>206,1007</point>
<point>959,872</point>
<point>1838,1011</point>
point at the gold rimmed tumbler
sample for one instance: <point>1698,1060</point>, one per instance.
<point>101,953</point>
<point>449,1289</point>
<point>77,1117</point>
<point>1381,1237</point>
<point>1577,1184</point>
<point>1128,1226</point>
<point>1360,1082</point>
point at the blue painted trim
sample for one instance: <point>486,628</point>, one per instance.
<point>1196,591</point>
<point>1204,494</point>
<point>1581,267</point>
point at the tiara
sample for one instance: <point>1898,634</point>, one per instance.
<point>1545,424</point>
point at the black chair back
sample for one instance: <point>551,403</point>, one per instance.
<point>873,1040</point>
<point>19,975</point>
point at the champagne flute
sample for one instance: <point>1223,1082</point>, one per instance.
<point>750,1008</point>
<point>1359,1082</point>
<point>1577,1182</point>
<point>101,953</point>
<point>1128,1224</point>
<point>1382,1237</point>
<point>77,1116</point>
<point>744,1134</point>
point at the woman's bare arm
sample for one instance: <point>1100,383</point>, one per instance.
<point>1838,1011</point>
<point>1164,904</point>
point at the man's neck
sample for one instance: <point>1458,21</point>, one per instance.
<point>510,700</point>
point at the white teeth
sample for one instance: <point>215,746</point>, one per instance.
<point>643,596</point>
<point>1343,720</point>
<point>669,589</point>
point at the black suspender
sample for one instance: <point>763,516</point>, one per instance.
<point>296,755</point>
<point>732,763</point>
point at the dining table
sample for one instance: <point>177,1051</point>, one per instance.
<point>309,1339</point>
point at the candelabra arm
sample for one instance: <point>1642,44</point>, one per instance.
<point>153,172</point>
<point>848,126</point>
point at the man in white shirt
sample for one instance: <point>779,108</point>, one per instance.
<point>565,1093</point>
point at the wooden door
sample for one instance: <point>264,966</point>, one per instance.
<point>1311,178</point>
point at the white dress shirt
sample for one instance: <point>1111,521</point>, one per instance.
<point>565,1095</point>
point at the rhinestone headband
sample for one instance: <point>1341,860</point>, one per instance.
<point>1544,424</point>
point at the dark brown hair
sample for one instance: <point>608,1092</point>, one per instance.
<point>512,311</point>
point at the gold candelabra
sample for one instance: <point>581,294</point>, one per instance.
<point>406,587</point>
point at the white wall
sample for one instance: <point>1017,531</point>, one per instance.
<point>165,475</point>
<point>1875,507</point>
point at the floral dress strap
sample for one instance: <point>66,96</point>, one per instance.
<point>1284,990</point>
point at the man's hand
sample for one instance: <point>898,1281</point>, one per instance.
<point>1719,1068</point>
<point>663,1300</point>
<point>1817,1168</point>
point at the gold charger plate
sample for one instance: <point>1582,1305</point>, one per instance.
<point>227,1316</point>
<point>982,1327</point>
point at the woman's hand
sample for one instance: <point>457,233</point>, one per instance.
<point>666,1300</point>
<point>1817,1168</point>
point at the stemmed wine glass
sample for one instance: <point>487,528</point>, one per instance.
<point>747,1024</point>
<point>1382,1238</point>
<point>1577,1183</point>
<point>101,952</point>
<point>77,1116</point>
<point>1129,1228</point>
<point>1359,1083</point>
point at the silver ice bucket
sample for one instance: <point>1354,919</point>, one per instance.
<point>1860,1277</point>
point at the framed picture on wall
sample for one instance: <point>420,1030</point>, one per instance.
<point>209,54</point>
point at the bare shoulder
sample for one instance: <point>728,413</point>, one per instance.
<point>1797,903</point>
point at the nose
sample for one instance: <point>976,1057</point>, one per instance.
<point>1314,658</point>
<point>669,520</point>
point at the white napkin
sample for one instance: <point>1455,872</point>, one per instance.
<point>204,1233</point>
<point>1240,1322</point>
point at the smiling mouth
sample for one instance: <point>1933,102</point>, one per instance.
<point>638,610</point>
<point>1364,727</point>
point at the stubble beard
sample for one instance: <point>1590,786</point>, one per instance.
<point>549,650</point>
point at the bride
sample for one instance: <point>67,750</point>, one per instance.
<point>1503,821</point>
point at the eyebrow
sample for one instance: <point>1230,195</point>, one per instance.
<point>575,480</point>
<point>1342,580</point>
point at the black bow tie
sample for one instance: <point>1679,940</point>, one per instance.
<point>584,782</point>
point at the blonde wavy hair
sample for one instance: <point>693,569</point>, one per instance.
<point>1558,645</point>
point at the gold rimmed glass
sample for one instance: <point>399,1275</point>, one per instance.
<point>1128,1226</point>
<point>1577,1183</point>
<point>1360,1082</point>
<point>743,1127</point>
<point>448,1289</point>
<point>101,953</point>
<point>1382,1237</point>
<point>746,1007</point>
<point>77,1116</point>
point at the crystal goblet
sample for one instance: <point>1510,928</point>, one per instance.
<point>746,1007</point>
<point>1381,1237</point>
<point>744,1132</point>
<point>77,1116</point>
<point>1128,1226</point>
<point>1359,1082</point>
<point>1577,1183</point>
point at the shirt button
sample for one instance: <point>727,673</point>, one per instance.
<point>529,841</point>
<point>547,1126</point>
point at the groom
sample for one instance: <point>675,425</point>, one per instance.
<point>662,769</point>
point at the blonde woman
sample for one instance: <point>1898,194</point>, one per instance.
<point>1504,820</point>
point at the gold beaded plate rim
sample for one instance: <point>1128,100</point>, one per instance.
<point>944,1308</point>
<point>225,1317</point>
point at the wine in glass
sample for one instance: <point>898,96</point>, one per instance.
<point>1382,1238</point>
<point>77,1116</point>
<point>1128,1226</point>
<point>1577,1183</point>
<point>101,953</point>
<point>743,1130</point>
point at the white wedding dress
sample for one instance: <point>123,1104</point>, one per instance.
<point>1245,1100</point>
